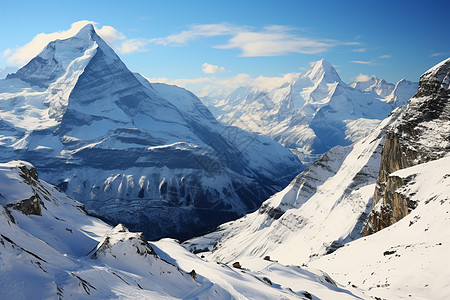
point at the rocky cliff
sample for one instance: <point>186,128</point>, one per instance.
<point>421,134</point>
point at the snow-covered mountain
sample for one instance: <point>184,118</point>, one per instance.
<point>150,156</point>
<point>51,249</point>
<point>374,84</point>
<point>314,112</point>
<point>398,174</point>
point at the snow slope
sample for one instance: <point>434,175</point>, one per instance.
<point>150,156</point>
<point>319,220</point>
<point>410,258</point>
<point>51,249</point>
<point>48,255</point>
<point>314,112</point>
<point>322,209</point>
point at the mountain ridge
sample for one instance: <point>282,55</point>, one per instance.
<point>392,184</point>
<point>311,114</point>
<point>127,148</point>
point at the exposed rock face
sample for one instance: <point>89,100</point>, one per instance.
<point>421,134</point>
<point>119,240</point>
<point>28,202</point>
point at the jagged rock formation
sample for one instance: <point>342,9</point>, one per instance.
<point>421,134</point>
<point>119,238</point>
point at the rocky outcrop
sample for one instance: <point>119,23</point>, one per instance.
<point>421,134</point>
<point>120,241</point>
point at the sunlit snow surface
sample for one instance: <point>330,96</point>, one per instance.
<point>67,254</point>
<point>319,219</point>
<point>410,258</point>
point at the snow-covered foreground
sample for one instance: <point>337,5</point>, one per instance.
<point>50,249</point>
<point>279,281</point>
<point>409,259</point>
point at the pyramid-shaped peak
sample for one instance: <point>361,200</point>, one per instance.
<point>55,59</point>
<point>322,70</point>
<point>87,31</point>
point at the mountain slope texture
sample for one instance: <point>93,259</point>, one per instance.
<point>51,249</point>
<point>393,185</point>
<point>150,156</point>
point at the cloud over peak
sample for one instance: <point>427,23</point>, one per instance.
<point>112,36</point>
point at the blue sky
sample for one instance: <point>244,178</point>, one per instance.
<point>185,42</point>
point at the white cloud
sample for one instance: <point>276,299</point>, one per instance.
<point>133,45</point>
<point>212,69</point>
<point>196,32</point>
<point>372,62</point>
<point>7,52</point>
<point>361,78</point>
<point>438,54</point>
<point>273,43</point>
<point>203,86</point>
<point>112,36</point>
<point>360,50</point>
<point>270,41</point>
<point>364,62</point>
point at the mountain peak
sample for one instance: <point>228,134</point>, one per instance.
<point>322,70</point>
<point>87,31</point>
<point>439,73</point>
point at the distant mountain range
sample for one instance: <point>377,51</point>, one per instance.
<point>314,112</point>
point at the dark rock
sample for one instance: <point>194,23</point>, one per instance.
<point>267,280</point>
<point>407,144</point>
<point>193,274</point>
<point>30,206</point>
